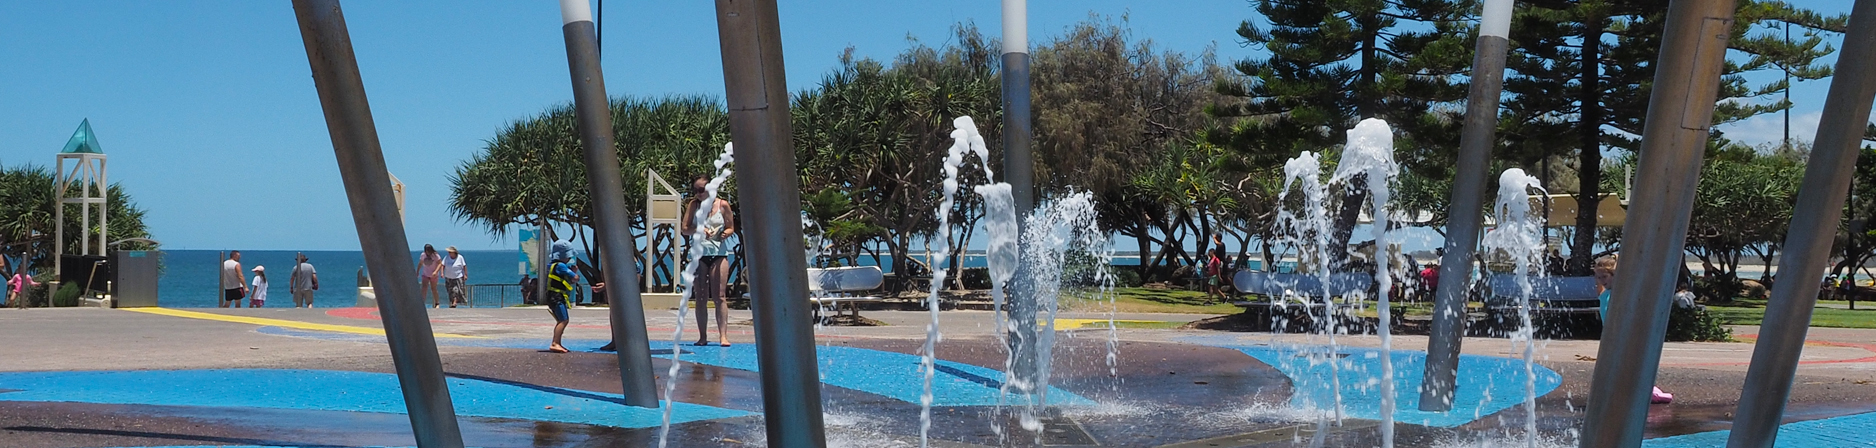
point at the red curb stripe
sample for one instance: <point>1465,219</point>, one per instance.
<point>1871,348</point>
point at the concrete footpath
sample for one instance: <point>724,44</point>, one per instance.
<point>321,377</point>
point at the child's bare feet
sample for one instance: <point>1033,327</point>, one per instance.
<point>556,348</point>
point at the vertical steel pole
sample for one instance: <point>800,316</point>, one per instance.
<point>1462,228</point>
<point>1813,228</point>
<point>751,36</point>
<point>611,221</point>
<point>380,231</point>
<point>541,235</point>
<point>1019,172</point>
<point>1680,110</point>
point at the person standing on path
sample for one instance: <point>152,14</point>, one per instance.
<point>258,296</point>
<point>17,284</point>
<point>234,284</point>
<point>561,279</point>
<point>1604,269</point>
<point>455,273</point>
<point>429,266</point>
<point>713,270</point>
<point>302,282</point>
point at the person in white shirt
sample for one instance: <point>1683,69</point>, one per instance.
<point>258,295</point>
<point>234,285</point>
<point>455,273</point>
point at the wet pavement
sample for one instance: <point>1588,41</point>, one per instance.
<point>273,377</point>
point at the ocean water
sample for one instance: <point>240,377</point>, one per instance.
<point>191,278</point>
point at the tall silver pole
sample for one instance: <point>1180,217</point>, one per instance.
<point>1680,110</point>
<point>1813,227</point>
<point>380,230</point>
<point>541,237</point>
<point>1019,172</point>
<point>611,222</point>
<point>751,36</point>
<point>1462,226</point>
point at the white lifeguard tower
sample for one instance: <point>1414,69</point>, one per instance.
<point>663,212</point>
<point>81,180</point>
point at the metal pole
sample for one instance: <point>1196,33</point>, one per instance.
<point>541,235</point>
<point>611,221</point>
<point>1680,110</point>
<point>1462,228</point>
<point>1019,172</point>
<point>751,37</point>
<point>380,232</point>
<point>1813,228</point>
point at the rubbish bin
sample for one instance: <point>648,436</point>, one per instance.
<point>135,282</point>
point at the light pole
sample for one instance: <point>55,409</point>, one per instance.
<point>1813,228</point>
<point>1680,111</point>
<point>380,229</point>
<point>751,37</point>
<point>611,222</point>
<point>1462,228</point>
<point>1019,172</point>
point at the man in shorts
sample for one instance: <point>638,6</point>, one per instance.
<point>233,281</point>
<point>303,282</point>
<point>455,274</point>
<point>561,279</point>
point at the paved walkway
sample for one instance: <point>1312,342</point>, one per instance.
<point>242,361</point>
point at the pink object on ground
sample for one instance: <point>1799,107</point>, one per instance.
<point>1661,397</point>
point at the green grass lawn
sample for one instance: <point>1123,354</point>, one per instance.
<point>1145,300</point>
<point>1750,312</point>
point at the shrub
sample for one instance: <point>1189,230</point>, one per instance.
<point>975,278</point>
<point>67,295</point>
<point>1696,325</point>
<point>1126,276</point>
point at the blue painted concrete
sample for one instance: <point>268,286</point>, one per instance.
<point>890,374</point>
<point>1836,432</point>
<point>1487,384</point>
<point>894,375</point>
<point>331,390</point>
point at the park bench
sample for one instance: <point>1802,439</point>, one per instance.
<point>830,288</point>
<point>1551,297</point>
<point>1277,286</point>
<point>1294,298</point>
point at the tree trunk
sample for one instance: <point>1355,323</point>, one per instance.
<point>1145,244</point>
<point>1356,194</point>
<point>1589,164</point>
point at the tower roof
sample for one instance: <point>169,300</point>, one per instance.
<point>83,141</point>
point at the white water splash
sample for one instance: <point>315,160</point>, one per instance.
<point>704,207</point>
<point>1309,233</point>
<point>1520,234</point>
<point>1369,154</point>
<point>964,139</point>
<point>1065,226</point>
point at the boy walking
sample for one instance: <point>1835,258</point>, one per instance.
<point>560,281</point>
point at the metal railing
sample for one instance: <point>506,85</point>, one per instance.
<point>493,295</point>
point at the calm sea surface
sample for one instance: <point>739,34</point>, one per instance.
<point>190,277</point>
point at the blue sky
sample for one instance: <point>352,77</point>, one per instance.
<point>208,112</point>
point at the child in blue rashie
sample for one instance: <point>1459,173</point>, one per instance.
<point>560,281</point>
<point>1605,281</point>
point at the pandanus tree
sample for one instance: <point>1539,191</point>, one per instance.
<point>26,224</point>
<point>879,134</point>
<point>533,169</point>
